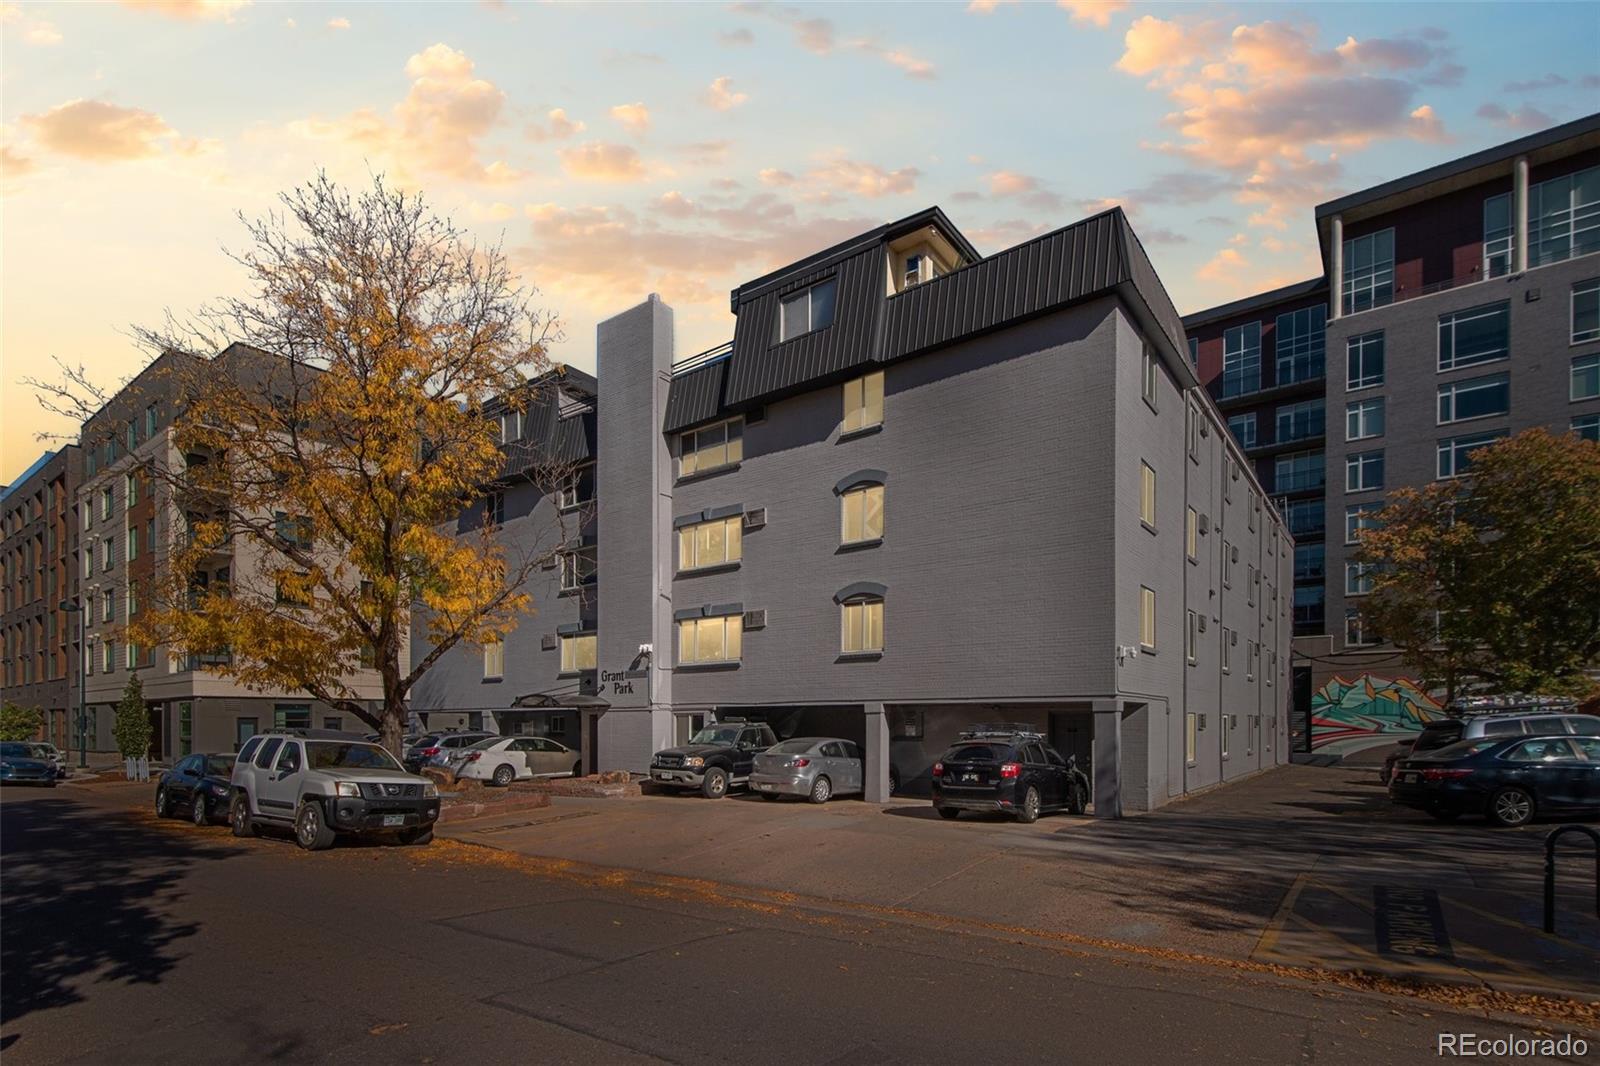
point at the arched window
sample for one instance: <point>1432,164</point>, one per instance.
<point>861,618</point>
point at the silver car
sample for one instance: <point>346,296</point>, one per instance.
<point>815,767</point>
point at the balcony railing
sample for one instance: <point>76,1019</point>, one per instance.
<point>695,362</point>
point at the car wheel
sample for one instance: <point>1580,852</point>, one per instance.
<point>821,789</point>
<point>199,814</point>
<point>239,817</point>
<point>577,769</point>
<point>419,837</point>
<point>1077,801</point>
<point>1445,815</point>
<point>1511,807</point>
<point>504,775</point>
<point>311,830</point>
<point>163,804</point>
<point>715,786</point>
<point>894,781</point>
<point>951,813</point>
<point>770,797</point>
<point>1028,812</point>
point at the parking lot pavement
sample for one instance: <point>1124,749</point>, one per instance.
<point>1303,866</point>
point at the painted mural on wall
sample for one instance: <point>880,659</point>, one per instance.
<point>1369,708</point>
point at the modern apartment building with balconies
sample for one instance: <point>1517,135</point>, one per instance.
<point>1457,305</point>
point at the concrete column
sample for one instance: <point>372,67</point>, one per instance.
<point>1336,268</point>
<point>1519,214</point>
<point>875,755</point>
<point>1107,758</point>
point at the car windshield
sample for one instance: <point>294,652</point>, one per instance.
<point>968,752</point>
<point>1461,749</point>
<point>1429,739</point>
<point>219,765</point>
<point>326,755</point>
<point>16,751</point>
<point>720,734</point>
<point>791,747</point>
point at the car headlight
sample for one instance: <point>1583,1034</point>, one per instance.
<point>347,788</point>
<point>219,790</point>
<point>694,760</point>
<point>430,791</point>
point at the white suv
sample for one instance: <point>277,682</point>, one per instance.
<point>325,784</point>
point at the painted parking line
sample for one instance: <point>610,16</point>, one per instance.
<point>1274,929</point>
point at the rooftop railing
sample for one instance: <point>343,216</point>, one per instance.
<point>695,362</point>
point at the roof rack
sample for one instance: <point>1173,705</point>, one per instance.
<point>1001,729</point>
<point>315,734</point>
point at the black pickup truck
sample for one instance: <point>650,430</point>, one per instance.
<point>715,759</point>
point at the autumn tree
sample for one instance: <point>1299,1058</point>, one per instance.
<point>324,453</point>
<point>20,723</point>
<point>1494,579</point>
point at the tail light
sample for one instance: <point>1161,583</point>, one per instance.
<point>800,764</point>
<point>1010,769</point>
<point>938,769</point>
<point>430,752</point>
<point>474,756</point>
<point>1445,775</point>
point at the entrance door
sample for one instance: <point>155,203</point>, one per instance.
<point>591,743</point>
<point>156,712</point>
<point>1072,734</point>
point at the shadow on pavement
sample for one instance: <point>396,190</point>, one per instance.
<point>84,896</point>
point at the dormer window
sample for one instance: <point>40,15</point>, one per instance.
<point>807,310</point>
<point>911,273</point>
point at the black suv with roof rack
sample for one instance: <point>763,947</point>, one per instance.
<point>1007,768</point>
<point>716,758</point>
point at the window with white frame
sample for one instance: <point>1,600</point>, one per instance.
<point>577,569</point>
<point>1147,617</point>
<point>107,503</point>
<point>1191,640</point>
<point>1363,471</point>
<point>494,661</point>
<point>861,625</point>
<point>1455,453</point>
<point>1243,428</point>
<point>1587,427</point>
<point>1585,381</point>
<point>1300,341</point>
<point>1297,421</point>
<point>1150,376</point>
<point>1252,582</point>
<point>1474,336</point>
<point>569,494</point>
<point>1474,398</point>
<point>1357,578</point>
<point>714,543</point>
<point>1227,565</point>
<point>1191,534</point>
<point>108,606</point>
<point>511,425</point>
<point>1147,495</point>
<point>1359,516</point>
<point>1363,419</point>
<point>1586,311</point>
<point>130,488</point>
<point>863,402</point>
<point>494,508</point>
<point>711,447</point>
<point>108,656</point>
<point>719,639</point>
<point>1194,351</point>
<point>807,310</point>
<point>1191,726</point>
<point>1228,638</point>
<point>1499,236</point>
<point>1363,361</point>
<point>578,652</point>
<point>1564,217</point>
<point>1252,650</point>
<point>1368,271</point>
<point>1241,359</point>
<point>107,552</point>
<point>130,537</point>
<point>861,514</point>
<point>1356,633</point>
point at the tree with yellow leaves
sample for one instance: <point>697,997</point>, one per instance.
<point>322,456</point>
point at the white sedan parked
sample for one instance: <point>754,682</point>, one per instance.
<point>503,760</point>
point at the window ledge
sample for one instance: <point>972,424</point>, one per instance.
<point>859,545</point>
<point>1145,649</point>
<point>574,673</point>
<point>714,568</point>
<point>854,434</point>
<point>493,680</point>
<point>699,475</point>
<point>1147,525</point>
<point>859,657</point>
<point>696,668</point>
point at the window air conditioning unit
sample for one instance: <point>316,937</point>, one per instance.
<point>1202,722</point>
<point>755,518</point>
<point>1236,555</point>
<point>755,619</point>
<point>1202,623</point>
<point>1205,523</point>
<point>548,642</point>
<point>548,564</point>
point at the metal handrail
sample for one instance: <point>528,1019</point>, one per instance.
<point>1550,871</point>
<point>710,355</point>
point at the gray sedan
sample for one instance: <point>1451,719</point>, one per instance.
<point>815,767</point>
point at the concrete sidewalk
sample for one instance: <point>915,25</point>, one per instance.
<point>1301,866</point>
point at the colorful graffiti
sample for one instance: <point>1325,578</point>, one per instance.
<point>1368,708</point>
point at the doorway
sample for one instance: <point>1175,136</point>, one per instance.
<point>1072,734</point>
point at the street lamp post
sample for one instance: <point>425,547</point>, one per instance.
<point>83,694</point>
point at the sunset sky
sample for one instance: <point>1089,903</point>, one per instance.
<point>618,150</point>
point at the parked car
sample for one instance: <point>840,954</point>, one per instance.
<point>503,760</point>
<point>1436,735</point>
<point>202,783</point>
<point>1510,780</point>
<point>1007,769</point>
<point>435,749</point>
<point>19,765</point>
<point>716,758</point>
<point>52,755</point>
<point>324,784</point>
<point>817,768</point>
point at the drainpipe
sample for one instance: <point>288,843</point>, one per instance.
<point>1519,218</point>
<point>1336,269</point>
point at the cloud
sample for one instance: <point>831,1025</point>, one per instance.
<point>1589,81</point>
<point>37,32</point>
<point>1161,235</point>
<point>1549,81</point>
<point>14,166</point>
<point>603,161</point>
<point>774,176</point>
<point>558,127</point>
<point>851,177</point>
<point>635,117</point>
<point>1008,183</point>
<point>704,153</point>
<point>612,57</point>
<point>1182,187</point>
<point>1005,233</point>
<point>100,132</point>
<point>1152,44</point>
<point>339,23</point>
<point>986,7</point>
<point>436,127</point>
<point>1098,12</point>
<point>820,37</point>
<point>1226,266</point>
<point>190,10</point>
<point>721,95</point>
<point>737,38</point>
<point>1523,118</point>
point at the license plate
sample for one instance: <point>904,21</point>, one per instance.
<point>764,787</point>
<point>394,819</point>
<point>1412,778</point>
<point>969,777</point>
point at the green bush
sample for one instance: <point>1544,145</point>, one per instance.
<point>20,723</point>
<point>132,728</point>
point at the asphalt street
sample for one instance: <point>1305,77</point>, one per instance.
<point>131,941</point>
